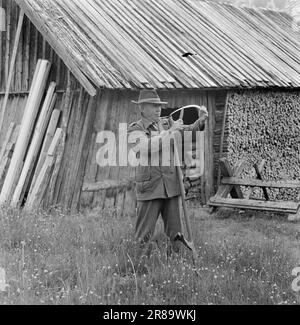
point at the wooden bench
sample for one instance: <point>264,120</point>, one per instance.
<point>231,183</point>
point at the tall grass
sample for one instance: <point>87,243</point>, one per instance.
<point>92,258</point>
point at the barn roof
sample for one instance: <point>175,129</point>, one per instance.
<point>139,43</point>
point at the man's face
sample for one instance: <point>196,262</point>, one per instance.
<point>151,111</point>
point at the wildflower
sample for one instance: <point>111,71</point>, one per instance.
<point>3,284</point>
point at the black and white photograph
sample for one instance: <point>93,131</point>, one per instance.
<point>149,155</point>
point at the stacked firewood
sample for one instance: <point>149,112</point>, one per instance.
<point>266,125</point>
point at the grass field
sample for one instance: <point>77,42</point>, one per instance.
<point>92,258</point>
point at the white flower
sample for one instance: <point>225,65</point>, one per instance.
<point>3,284</point>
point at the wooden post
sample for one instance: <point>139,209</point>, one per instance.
<point>7,41</point>
<point>223,134</point>
<point>2,18</point>
<point>209,146</point>
<point>227,171</point>
<point>81,156</point>
<point>29,116</point>
<point>8,148</point>
<point>7,138</point>
<point>2,28</point>
<point>34,147</point>
<point>36,195</point>
<point>47,141</point>
<point>12,65</point>
<point>259,176</point>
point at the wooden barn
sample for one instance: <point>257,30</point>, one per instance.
<point>103,52</point>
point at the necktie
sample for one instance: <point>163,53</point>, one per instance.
<point>157,127</point>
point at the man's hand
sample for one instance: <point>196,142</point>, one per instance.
<point>177,126</point>
<point>203,114</point>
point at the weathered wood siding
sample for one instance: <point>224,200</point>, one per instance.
<point>78,114</point>
<point>83,117</point>
<point>221,126</point>
<point>114,107</point>
<point>32,46</point>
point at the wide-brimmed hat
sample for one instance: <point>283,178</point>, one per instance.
<point>149,96</point>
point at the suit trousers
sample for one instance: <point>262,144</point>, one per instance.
<point>148,213</point>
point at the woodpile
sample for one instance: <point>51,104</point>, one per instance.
<point>32,149</point>
<point>266,125</point>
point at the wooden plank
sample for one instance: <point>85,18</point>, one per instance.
<point>2,18</point>
<point>259,183</point>
<point>209,102</point>
<point>259,176</point>
<point>78,118</point>
<point>101,70</point>
<point>50,199</point>
<point>13,29</point>
<point>33,51</point>
<point>75,122</point>
<point>224,190</point>
<point>34,147</point>
<point>102,122</point>
<point>103,38</point>
<point>19,58</point>
<point>288,206</point>
<point>51,38</point>
<point>3,27</point>
<point>170,62</point>
<point>37,192</point>
<point>259,168</point>
<point>106,184</point>
<point>26,58</point>
<point>227,171</point>
<point>120,17</point>
<point>12,66</point>
<point>9,133</point>
<point>6,161</point>
<point>199,25</point>
<point>86,197</point>
<point>48,139</point>
<point>53,195</point>
<point>8,39</point>
<point>7,154</point>
<point>82,153</point>
<point>89,198</point>
<point>29,116</point>
<point>12,139</point>
<point>111,172</point>
<point>223,135</point>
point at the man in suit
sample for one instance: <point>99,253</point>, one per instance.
<point>157,185</point>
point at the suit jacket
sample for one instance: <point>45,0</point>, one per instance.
<point>157,181</point>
